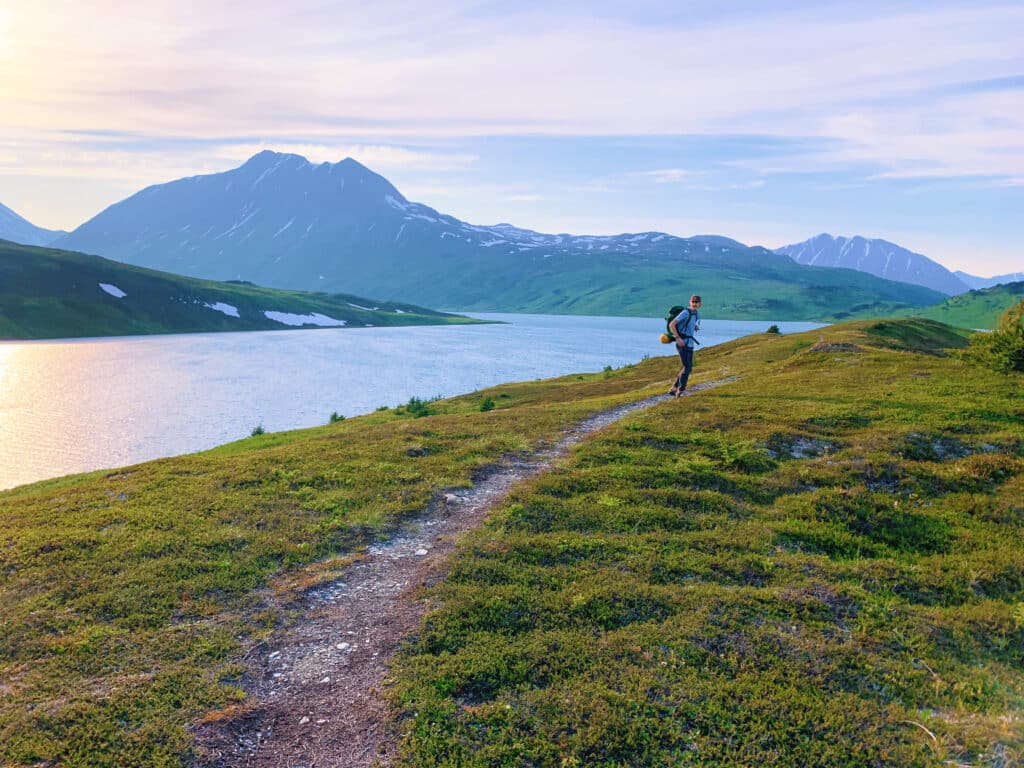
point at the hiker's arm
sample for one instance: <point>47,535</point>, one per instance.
<point>674,327</point>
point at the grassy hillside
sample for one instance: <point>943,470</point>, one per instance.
<point>47,293</point>
<point>974,309</point>
<point>822,564</point>
<point>819,564</point>
<point>750,283</point>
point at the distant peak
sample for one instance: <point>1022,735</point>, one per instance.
<point>268,156</point>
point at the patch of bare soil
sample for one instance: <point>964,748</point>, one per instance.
<point>315,687</point>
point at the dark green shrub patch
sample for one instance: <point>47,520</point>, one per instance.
<point>834,423</point>
<point>855,524</point>
<point>919,446</point>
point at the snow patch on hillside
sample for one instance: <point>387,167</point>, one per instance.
<point>113,290</point>
<point>288,318</point>
<point>227,309</point>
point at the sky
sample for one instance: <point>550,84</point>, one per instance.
<point>768,122</point>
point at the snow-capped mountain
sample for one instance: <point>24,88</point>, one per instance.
<point>19,230</point>
<point>976,283</point>
<point>877,257</point>
<point>281,221</point>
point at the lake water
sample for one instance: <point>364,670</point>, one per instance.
<point>78,405</point>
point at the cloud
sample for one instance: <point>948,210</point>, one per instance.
<point>669,175</point>
<point>369,68</point>
<point>145,91</point>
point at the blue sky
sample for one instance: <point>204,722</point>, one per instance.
<point>767,122</point>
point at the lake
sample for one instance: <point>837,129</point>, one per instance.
<point>77,405</point>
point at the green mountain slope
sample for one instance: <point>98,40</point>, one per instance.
<point>47,293</point>
<point>974,309</point>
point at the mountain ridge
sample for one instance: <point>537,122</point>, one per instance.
<point>877,257</point>
<point>281,221</point>
<point>978,283</point>
<point>50,293</point>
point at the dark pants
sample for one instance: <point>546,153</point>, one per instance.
<point>686,355</point>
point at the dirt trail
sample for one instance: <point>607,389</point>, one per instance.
<point>317,684</point>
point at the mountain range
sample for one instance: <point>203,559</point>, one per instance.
<point>281,221</point>
<point>978,283</point>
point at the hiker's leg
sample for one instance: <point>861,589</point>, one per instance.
<point>675,385</point>
<point>686,355</point>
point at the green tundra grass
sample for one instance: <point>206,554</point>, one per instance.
<point>821,563</point>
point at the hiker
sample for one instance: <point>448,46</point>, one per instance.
<point>685,324</point>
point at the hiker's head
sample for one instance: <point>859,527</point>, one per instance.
<point>695,301</point>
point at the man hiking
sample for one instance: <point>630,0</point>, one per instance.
<point>682,327</point>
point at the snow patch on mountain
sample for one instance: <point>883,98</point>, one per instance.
<point>221,306</point>
<point>289,318</point>
<point>113,290</point>
<point>282,229</point>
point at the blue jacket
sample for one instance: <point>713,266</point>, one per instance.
<point>687,324</point>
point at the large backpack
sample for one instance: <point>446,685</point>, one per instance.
<point>668,336</point>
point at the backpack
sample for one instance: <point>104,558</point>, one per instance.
<point>667,337</point>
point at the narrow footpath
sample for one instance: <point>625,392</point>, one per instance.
<point>317,684</point>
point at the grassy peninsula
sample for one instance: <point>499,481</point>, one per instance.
<point>820,563</point>
<point>47,293</point>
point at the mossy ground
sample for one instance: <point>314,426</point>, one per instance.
<point>819,564</point>
<point>128,597</point>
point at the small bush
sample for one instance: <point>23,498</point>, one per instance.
<point>417,407</point>
<point>1003,349</point>
<point>773,329</point>
<point>257,431</point>
<point>336,417</point>
<point>487,404</point>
